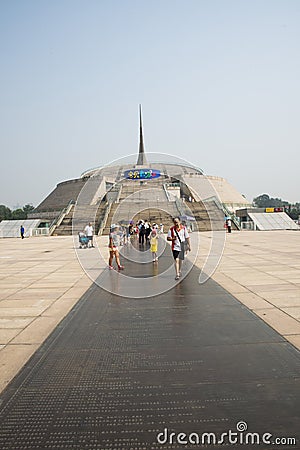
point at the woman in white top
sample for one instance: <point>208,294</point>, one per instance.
<point>179,235</point>
<point>114,243</point>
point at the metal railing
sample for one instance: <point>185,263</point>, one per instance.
<point>40,231</point>
<point>180,206</point>
<point>58,220</point>
<point>225,210</point>
<point>166,192</point>
<point>247,226</point>
<point>105,217</point>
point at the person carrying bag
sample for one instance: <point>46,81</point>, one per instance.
<point>180,239</point>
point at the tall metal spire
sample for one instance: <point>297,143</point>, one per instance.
<point>142,157</point>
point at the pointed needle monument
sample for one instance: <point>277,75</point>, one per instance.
<point>142,160</point>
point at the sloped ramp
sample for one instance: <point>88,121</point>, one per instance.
<point>273,221</point>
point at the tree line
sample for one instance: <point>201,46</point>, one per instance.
<point>16,214</point>
<point>264,201</point>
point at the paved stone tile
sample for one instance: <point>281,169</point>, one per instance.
<point>15,322</point>
<point>293,312</point>
<point>25,303</point>
<point>274,256</point>
<point>253,301</point>
<point>60,308</point>
<point>294,339</point>
<point>281,298</point>
<point>7,334</point>
<point>22,312</point>
<point>4,293</point>
<point>266,287</point>
<point>12,359</point>
<point>37,331</point>
<point>32,293</point>
<point>280,321</point>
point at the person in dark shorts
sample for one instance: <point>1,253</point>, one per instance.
<point>89,231</point>
<point>228,223</point>
<point>180,239</point>
<point>142,232</point>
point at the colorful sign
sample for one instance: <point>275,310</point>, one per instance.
<point>269,210</point>
<point>141,174</point>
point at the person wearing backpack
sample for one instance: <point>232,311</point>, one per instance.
<point>142,232</point>
<point>180,239</point>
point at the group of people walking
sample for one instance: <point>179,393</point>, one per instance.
<point>146,234</point>
<point>145,230</point>
<point>178,236</point>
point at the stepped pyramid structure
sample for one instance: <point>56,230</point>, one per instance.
<point>149,189</point>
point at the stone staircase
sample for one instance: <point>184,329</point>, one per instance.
<point>129,200</point>
<point>77,219</point>
<point>86,209</point>
<point>203,219</point>
<point>154,212</point>
<point>147,201</point>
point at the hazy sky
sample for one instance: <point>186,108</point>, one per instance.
<point>218,81</point>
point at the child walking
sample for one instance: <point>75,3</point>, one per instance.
<point>154,244</point>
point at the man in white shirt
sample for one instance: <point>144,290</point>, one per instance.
<point>229,225</point>
<point>89,231</point>
<point>179,236</point>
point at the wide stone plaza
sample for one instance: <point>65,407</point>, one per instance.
<point>83,368</point>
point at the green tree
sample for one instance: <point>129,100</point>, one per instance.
<point>5,212</point>
<point>28,208</point>
<point>294,213</point>
<point>18,214</point>
<point>264,201</point>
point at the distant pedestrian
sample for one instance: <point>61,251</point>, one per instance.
<point>179,236</point>
<point>89,231</point>
<point>228,223</point>
<point>127,235</point>
<point>22,231</point>
<point>154,244</point>
<point>142,232</point>
<point>131,229</point>
<point>147,230</point>
<point>114,243</point>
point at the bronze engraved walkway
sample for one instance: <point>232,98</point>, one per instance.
<point>117,373</point>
